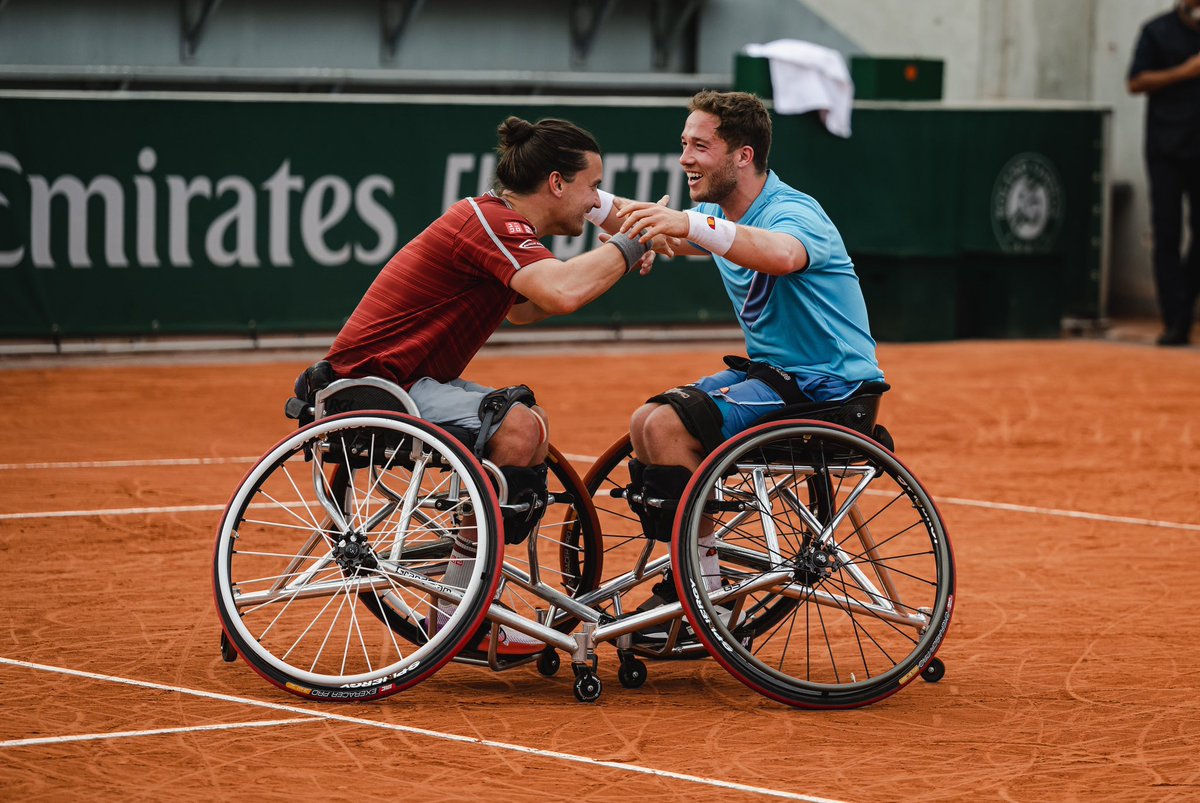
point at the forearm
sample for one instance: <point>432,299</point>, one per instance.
<point>771,252</point>
<point>526,313</point>
<point>1154,80</point>
<point>560,288</point>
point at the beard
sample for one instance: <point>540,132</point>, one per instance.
<point>721,184</point>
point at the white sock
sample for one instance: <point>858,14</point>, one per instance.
<point>458,574</point>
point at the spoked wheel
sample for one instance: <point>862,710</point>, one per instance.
<point>566,552</point>
<point>834,524</point>
<point>622,538</point>
<point>351,508</point>
<point>623,542</point>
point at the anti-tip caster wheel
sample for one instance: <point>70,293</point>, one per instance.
<point>227,651</point>
<point>632,673</point>
<point>548,663</point>
<point>587,687</point>
<point>934,671</point>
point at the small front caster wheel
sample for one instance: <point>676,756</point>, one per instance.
<point>934,671</point>
<point>227,650</point>
<point>587,688</point>
<point>548,663</point>
<point>632,673</point>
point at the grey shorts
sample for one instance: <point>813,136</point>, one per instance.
<point>455,402</point>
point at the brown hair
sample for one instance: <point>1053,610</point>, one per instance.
<point>529,152</point>
<point>743,121</point>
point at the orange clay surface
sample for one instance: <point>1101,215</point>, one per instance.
<point>1068,474</point>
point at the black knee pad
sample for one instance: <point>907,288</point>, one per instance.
<point>699,413</point>
<point>653,494</point>
<point>526,486</point>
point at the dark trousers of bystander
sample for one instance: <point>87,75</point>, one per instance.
<point>1176,277</point>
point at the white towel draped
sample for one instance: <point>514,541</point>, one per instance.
<point>806,77</point>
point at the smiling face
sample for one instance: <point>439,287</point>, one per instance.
<point>579,196</point>
<point>708,162</point>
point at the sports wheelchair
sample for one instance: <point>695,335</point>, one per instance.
<point>836,574</point>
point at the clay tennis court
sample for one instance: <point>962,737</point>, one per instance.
<point>1068,473</point>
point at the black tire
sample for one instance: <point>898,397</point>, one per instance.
<point>289,568</point>
<point>861,553</point>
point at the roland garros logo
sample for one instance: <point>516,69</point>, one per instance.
<point>1027,204</point>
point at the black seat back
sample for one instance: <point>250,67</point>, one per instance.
<point>858,412</point>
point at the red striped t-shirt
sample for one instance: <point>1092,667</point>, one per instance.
<point>439,299</point>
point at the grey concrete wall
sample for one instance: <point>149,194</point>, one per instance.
<point>443,35</point>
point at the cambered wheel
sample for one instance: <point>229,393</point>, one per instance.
<point>622,538</point>
<point>623,542</point>
<point>834,524</point>
<point>346,509</point>
<point>568,554</point>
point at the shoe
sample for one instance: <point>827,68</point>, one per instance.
<point>656,636</point>
<point>1174,336</point>
<point>661,593</point>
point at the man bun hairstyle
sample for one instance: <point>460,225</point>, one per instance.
<point>744,120</point>
<point>529,152</point>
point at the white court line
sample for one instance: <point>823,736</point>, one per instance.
<point>432,734</point>
<point>1070,514</point>
<point>90,737</point>
<point>588,460</point>
<point>166,461</point>
<point>120,511</point>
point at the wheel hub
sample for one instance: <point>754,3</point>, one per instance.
<point>814,564</point>
<point>353,552</point>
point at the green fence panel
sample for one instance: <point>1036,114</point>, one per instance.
<point>130,215</point>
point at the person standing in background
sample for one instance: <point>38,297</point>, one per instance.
<point>1166,66</point>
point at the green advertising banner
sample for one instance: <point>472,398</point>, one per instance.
<point>134,215</point>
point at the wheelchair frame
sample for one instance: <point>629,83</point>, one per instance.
<point>772,563</point>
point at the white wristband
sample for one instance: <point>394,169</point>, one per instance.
<point>598,214</point>
<point>714,234</point>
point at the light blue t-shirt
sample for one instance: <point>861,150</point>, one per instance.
<point>813,323</point>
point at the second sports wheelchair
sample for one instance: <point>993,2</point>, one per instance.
<point>836,574</point>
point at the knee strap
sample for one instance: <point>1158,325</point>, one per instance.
<point>653,494</point>
<point>699,413</point>
<point>526,487</point>
<point>495,406</point>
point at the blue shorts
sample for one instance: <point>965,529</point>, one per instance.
<point>743,401</point>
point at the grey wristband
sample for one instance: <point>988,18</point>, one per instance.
<point>631,249</point>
